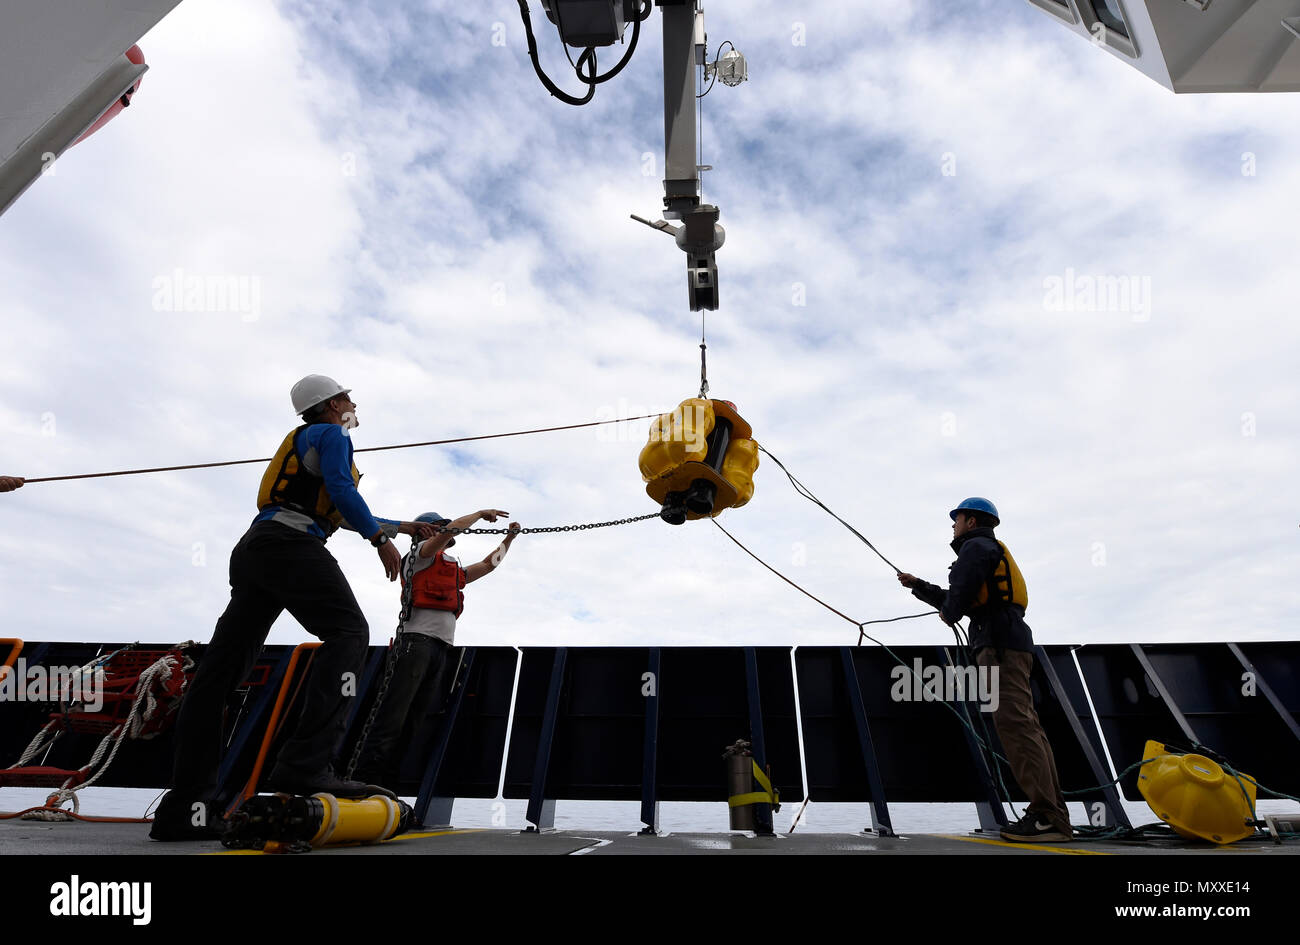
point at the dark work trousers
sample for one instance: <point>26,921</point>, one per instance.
<point>1022,736</point>
<point>272,569</point>
<point>415,690</point>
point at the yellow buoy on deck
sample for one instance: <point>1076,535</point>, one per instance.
<point>287,823</point>
<point>1195,796</point>
<point>700,460</point>
<point>367,820</point>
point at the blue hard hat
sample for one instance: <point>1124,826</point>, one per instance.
<point>976,504</point>
<point>433,518</point>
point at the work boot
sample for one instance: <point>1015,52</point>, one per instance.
<point>375,777</point>
<point>289,781</point>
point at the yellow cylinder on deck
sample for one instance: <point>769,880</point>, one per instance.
<point>1195,796</point>
<point>369,820</point>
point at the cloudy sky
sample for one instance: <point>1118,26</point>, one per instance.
<point>919,204</point>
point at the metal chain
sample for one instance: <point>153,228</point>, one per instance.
<point>446,529</point>
<point>408,593</point>
<point>390,660</point>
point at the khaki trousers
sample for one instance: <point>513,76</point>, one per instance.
<point>1022,735</point>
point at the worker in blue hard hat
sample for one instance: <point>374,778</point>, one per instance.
<point>985,584</point>
<point>436,596</point>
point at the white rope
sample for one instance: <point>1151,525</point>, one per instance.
<point>161,670</point>
<point>37,743</point>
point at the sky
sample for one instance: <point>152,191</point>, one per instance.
<point>927,207</point>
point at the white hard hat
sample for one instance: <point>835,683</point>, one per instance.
<point>315,389</point>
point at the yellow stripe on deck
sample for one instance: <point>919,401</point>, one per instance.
<point>1026,846</point>
<point>436,833</point>
<point>400,836</point>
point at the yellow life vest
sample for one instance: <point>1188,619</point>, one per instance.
<point>1009,584</point>
<point>286,483</point>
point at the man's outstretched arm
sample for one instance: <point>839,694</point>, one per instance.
<point>924,591</point>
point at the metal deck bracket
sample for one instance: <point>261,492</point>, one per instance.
<point>1108,795</point>
<point>1262,687</point>
<point>758,746</point>
<point>428,808</point>
<point>650,750</point>
<point>991,815</point>
<point>1165,695</point>
<point>880,822</point>
<point>541,810</point>
<point>247,729</point>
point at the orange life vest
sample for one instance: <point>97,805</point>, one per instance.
<point>440,586</point>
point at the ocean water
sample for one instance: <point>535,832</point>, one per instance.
<point>676,817</point>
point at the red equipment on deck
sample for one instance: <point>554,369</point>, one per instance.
<point>137,692</point>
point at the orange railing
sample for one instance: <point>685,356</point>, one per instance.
<point>273,724</point>
<point>15,647</point>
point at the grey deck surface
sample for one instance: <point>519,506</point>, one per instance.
<point>18,837</point>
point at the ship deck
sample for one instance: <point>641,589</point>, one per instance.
<point>108,839</point>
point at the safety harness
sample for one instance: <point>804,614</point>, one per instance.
<point>286,483</point>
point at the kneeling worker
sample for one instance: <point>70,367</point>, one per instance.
<point>437,599</point>
<point>984,583</point>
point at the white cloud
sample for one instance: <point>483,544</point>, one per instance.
<point>478,273</point>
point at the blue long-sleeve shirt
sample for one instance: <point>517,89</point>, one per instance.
<point>324,450</point>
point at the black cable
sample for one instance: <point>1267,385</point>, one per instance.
<point>551,87</point>
<point>715,68</point>
<point>589,75</point>
<point>627,56</point>
<point>928,613</point>
<point>859,624</point>
<point>807,494</point>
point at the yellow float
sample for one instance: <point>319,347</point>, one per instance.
<point>699,461</point>
<point>1195,796</point>
<point>286,823</point>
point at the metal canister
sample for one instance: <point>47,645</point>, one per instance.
<point>740,780</point>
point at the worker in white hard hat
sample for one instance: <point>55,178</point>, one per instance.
<point>309,490</point>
